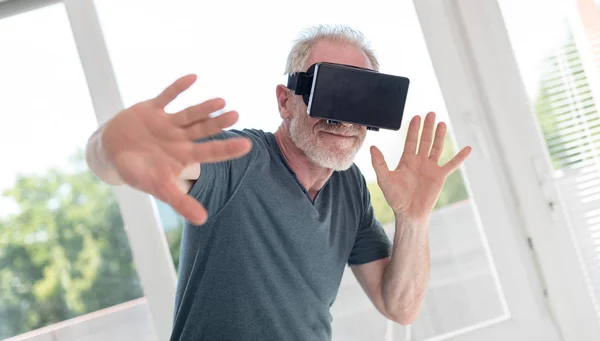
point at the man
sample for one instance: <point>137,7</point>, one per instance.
<point>273,219</point>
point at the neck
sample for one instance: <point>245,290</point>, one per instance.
<point>312,176</point>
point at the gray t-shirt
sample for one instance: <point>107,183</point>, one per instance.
<point>267,264</point>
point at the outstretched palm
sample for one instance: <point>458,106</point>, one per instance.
<point>150,148</point>
<point>414,186</point>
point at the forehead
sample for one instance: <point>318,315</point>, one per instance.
<point>335,52</point>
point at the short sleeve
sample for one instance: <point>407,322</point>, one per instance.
<point>371,242</point>
<point>219,181</point>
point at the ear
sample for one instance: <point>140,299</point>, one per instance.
<point>283,101</point>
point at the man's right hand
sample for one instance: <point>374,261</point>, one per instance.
<point>149,148</point>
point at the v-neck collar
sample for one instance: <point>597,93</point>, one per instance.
<point>273,141</point>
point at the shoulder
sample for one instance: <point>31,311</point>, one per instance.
<point>260,139</point>
<point>253,134</point>
<point>354,180</point>
<point>257,136</point>
<point>351,186</point>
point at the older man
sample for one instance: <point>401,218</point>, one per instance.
<point>272,219</point>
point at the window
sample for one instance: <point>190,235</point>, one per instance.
<point>560,64</point>
<point>179,37</point>
<point>63,250</point>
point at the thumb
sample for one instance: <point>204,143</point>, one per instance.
<point>378,162</point>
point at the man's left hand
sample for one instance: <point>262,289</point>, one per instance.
<point>414,186</point>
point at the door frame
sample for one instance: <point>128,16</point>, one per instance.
<point>485,95</point>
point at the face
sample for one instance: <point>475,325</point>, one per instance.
<point>330,146</point>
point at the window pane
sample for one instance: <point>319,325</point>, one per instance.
<point>559,58</point>
<point>172,224</point>
<point>63,249</point>
<point>244,66</point>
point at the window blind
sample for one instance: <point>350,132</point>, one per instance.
<point>568,115</point>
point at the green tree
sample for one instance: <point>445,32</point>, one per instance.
<point>65,253</point>
<point>454,189</point>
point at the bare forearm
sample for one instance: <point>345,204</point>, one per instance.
<point>407,274</point>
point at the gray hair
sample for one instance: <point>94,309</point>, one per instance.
<point>311,36</point>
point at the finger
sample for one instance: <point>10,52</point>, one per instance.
<point>410,146</point>
<point>438,142</point>
<point>188,207</point>
<point>199,112</point>
<point>426,135</point>
<point>457,160</point>
<point>211,126</point>
<point>378,161</point>
<point>219,150</point>
<point>173,90</point>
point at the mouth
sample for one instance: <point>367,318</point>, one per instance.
<point>338,135</point>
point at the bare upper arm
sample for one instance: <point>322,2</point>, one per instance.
<point>370,277</point>
<point>188,177</point>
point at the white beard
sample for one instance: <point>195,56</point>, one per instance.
<point>339,159</point>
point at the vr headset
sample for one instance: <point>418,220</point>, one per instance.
<point>350,94</point>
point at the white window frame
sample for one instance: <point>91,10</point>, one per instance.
<point>505,128</point>
<point>147,239</point>
<point>149,247</point>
